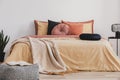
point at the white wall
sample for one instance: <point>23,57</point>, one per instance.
<point>16,16</point>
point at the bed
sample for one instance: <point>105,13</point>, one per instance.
<point>64,53</point>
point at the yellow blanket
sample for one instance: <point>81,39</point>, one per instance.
<point>72,54</point>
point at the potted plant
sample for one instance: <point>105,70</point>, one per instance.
<point>3,42</point>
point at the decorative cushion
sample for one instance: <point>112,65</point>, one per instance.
<point>75,28</point>
<point>41,27</point>
<point>51,25</point>
<point>86,36</point>
<point>8,72</point>
<point>87,25</point>
<point>60,29</point>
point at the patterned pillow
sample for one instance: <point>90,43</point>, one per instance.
<point>41,27</point>
<point>60,29</point>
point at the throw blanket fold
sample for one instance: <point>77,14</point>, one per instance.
<point>46,55</point>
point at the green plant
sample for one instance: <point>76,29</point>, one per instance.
<point>4,39</point>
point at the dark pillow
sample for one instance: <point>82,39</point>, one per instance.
<point>86,36</point>
<point>51,25</point>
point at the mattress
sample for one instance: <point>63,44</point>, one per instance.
<point>76,54</point>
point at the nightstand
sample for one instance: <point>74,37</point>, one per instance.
<point>116,43</point>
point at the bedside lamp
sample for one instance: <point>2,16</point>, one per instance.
<point>116,28</point>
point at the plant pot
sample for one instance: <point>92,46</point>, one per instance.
<point>2,54</point>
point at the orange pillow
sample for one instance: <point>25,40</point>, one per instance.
<point>60,29</point>
<point>75,28</point>
<point>87,25</point>
<point>41,27</point>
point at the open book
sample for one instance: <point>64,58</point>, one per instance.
<point>19,63</point>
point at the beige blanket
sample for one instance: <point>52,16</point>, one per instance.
<point>60,55</point>
<point>46,54</point>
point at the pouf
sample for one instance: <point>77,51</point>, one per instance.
<point>8,72</point>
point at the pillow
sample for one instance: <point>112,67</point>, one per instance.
<point>86,36</point>
<point>87,25</point>
<point>41,27</point>
<point>75,28</point>
<point>60,29</point>
<point>51,25</point>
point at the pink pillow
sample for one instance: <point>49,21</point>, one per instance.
<point>87,26</point>
<point>60,29</point>
<point>75,28</point>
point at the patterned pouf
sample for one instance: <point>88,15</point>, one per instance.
<point>8,72</point>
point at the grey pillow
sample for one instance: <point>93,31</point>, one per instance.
<point>8,72</point>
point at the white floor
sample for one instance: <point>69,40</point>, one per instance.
<point>83,76</point>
